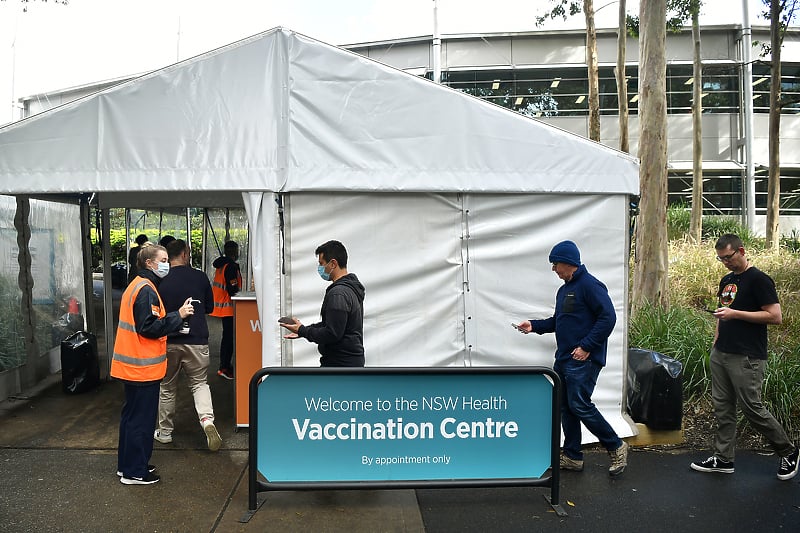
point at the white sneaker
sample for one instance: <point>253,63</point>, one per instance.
<point>212,435</point>
<point>619,460</point>
<point>163,438</point>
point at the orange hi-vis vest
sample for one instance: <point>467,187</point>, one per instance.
<point>222,299</point>
<point>137,358</point>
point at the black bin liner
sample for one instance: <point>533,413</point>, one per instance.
<point>655,389</point>
<point>119,275</point>
<point>80,368</point>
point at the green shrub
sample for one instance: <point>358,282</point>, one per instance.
<point>679,218</point>
<point>716,225</point>
<point>791,242</point>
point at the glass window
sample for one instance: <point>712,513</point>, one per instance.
<point>58,293</point>
<point>789,196</point>
<point>564,91</point>
<point>12,349</point>
<point>722,195</point>
<point>720,91</point>
<point>609,96</point>
<point>790,88</point>
<point>225,225</point>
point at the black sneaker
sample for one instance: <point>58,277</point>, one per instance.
<point>150,469</point>
<point>149,479</point>
<point>713,464</point>
<point>788,467</point>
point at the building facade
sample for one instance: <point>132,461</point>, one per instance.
<point>543,75</point>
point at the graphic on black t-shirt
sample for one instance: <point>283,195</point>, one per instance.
<point>728,294</point>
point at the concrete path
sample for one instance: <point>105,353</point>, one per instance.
<point>58,460</point>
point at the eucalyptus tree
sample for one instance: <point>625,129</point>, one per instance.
<point>563,9</point>
<point>650,276</point>
<point>781,13</point>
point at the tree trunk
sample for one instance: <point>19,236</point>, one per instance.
<point>696,224</point>
<point>591,60</point>
<point>622,83</point>
<point>25,281</point>
<point>650,266</point>
<point>774,180</point>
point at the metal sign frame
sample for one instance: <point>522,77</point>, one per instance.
<point>552,480</point>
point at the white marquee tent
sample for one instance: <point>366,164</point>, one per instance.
<point>448,205</point>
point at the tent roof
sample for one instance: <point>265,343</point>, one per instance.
<point>282,112</point>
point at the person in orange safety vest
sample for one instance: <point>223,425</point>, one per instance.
<point>140,361</point>
<point>227,282</point>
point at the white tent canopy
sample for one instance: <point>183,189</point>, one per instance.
<point>447,204</point>
<point>283,112</point>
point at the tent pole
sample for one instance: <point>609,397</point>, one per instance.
<point>108,304</point>
<point>227,224</point>
<point>189,232</point>
<point>86,249</point>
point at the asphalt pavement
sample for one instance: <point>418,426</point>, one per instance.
<point>58,462</point>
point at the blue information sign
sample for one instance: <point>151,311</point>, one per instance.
<point>414,426</point>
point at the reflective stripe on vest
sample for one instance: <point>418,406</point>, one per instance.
<point>222,299</point>
<point>137,358</point>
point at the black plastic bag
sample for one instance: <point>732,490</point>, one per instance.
<point>655,389</point>
<point>80,368</point>
<point>119,275</point>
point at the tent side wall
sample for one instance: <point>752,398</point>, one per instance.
<point>445,274</point>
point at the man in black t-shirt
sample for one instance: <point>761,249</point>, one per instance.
<point>748,302</point>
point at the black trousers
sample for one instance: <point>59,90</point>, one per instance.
<point>226,345</point>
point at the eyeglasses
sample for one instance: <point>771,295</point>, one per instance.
<point>726,257</point>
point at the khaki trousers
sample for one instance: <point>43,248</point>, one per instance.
<point>737,379</point>
<point>193,359</point>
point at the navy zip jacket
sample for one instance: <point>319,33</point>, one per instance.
<point>183,282</point>
<point>584,317</point>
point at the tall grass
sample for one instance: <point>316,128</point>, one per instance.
<point>685,332</point>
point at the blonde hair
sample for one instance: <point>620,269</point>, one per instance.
<point>148,251</point>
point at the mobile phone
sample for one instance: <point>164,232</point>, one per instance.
<point>286,320</point>
<point>193,301</point>
<point>516,327</point>
<point>711,311</point>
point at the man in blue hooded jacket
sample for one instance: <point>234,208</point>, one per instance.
<point>583,320</point>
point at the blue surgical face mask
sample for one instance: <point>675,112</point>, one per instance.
<point>324,275</point>
<point>162,269</point>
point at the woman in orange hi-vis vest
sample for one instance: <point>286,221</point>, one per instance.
<point>227,282</point>
<point>140,361</point>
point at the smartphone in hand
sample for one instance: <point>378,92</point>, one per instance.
<point>286,320</point>
<point>516,327</point>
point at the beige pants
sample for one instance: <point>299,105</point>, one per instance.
<point>193,359</point>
